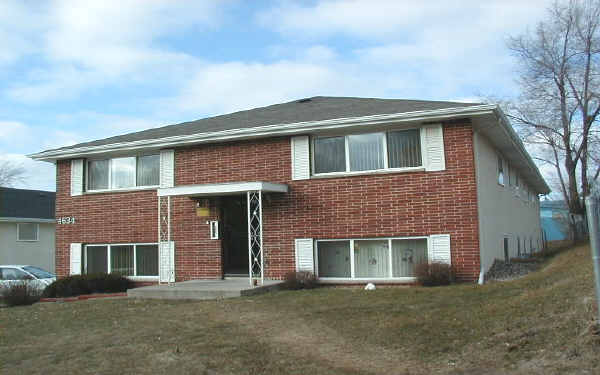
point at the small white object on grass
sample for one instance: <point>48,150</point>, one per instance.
<point>370,286</point>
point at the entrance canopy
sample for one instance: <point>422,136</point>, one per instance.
<point>229,188</point>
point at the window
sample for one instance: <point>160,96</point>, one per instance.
<point>123,173</point>
<point>367,152</point>
<point>506,254</point>
<point>127,259</point>
<point>13,274</point>
<point>509,172</point>
<point>370,259</point>
<point>500,170</point>
<point>27,231</point>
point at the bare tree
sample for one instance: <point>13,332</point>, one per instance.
<point>10,174</point>
<point>560,94</point>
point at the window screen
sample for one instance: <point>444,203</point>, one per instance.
<point>123,172</point>
<point>406,254</point>
<point>98,174</point>
<point>148,169</point>
<point>27,231</point>
<point>121,260</point>
<point>96,259</point>
<point>371,258</point>
<point>404,148</point>
<point>146,260</point>
<point>366,151</point>
<point>334,258</point>
<point>330,154</point>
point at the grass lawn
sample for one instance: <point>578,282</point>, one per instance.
<point>540,324</point>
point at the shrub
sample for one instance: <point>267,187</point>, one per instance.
<point>87,284</point>
<point>299,280</point>
<point>20,294</point>
<point>434,274</point>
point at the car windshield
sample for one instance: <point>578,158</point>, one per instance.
<point>38,272</point>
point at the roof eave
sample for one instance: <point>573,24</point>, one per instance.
<point>263,131</point>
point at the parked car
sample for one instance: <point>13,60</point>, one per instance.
<point>36,277</point>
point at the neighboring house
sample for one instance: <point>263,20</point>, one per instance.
<point>556,218</point>
<point>27,227</point>
<point>351,189</point>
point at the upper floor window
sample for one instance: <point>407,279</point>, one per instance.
<point>367,152</point>
<point>123,173</point>
<point>500,170</point>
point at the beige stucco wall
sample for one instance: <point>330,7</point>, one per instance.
<point>501,212</point>
<point>38,253</point>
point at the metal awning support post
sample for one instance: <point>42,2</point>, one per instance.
<point>255,243</point>
<point>165,269</point>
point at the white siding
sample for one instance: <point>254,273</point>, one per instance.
<point>167,168</point>
<point>76,177</point>
<point>501,213</point>
<point>305,255</point>
<point>37,253</point>
<point>300,158</point>
<point>434,148</point>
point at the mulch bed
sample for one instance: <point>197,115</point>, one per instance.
<point>84,297</point>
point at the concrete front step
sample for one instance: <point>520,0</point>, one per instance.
<point>203,289</point>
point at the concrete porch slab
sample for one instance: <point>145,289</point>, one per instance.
<point>203,289</point>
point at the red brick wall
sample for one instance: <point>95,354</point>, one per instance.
<point>383,205</point>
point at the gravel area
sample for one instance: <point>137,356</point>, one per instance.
<point>502,271</point>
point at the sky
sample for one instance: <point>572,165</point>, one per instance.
<point>74,71</point>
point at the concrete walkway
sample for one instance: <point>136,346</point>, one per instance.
<point>203,289</point>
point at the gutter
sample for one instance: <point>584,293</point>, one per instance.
<point>264,131</point>
<point>26,220</point>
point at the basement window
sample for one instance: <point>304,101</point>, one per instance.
<point>132,260</point>
<point>384,258</point>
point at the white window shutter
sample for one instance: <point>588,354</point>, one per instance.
<point>167,168</point>
<point>75,259</point>
<point>439,248</point>
<point>166,262</point>
<point>305,255</point>
<point>300,158</point>
<point>76,177</point>
<point>434,159</point>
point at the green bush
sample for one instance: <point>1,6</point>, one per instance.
<point>434,274</point>
<point>299,280</point>
<point>87,284</point>
<point>20,294</point>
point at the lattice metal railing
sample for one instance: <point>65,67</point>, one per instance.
<point>255,245</point>
<point>166,269</point>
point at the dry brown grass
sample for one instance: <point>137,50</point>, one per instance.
<point>540,324</point>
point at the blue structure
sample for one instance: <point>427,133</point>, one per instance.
<point>555,220</point>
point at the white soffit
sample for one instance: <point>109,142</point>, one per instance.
<point>230,188</point>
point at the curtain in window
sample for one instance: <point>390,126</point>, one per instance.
<point>406,254</point>
<point>96,259</point>
<point>121,260</point>
<point>123,172</point>
<point>334,258</point>
<point>404,148</point>
<point>98,174</point>
<point>330,154</point>
<point>146,257</point>
<point>366,151</point>
<point>371,258</point>
<point>148,169</point>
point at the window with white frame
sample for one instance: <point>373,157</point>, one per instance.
<point>367,151</point>
<point>123,173</point>
<point>139,260</point>
<point>28,231</point>
<point>500,170</point>
<point>370,259</point>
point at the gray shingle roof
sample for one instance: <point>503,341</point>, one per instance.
<point>311,109</point>
<point>32,204</point>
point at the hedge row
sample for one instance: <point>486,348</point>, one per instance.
<point>87,284</point>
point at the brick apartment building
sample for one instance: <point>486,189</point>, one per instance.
<point>351,189</point>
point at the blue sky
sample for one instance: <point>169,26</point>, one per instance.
<point>72,71</point>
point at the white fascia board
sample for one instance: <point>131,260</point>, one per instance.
<point>222,189</point>
<point>26,220</point>
<point>267,131</point>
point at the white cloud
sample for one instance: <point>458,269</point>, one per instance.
<point>38,175</point>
